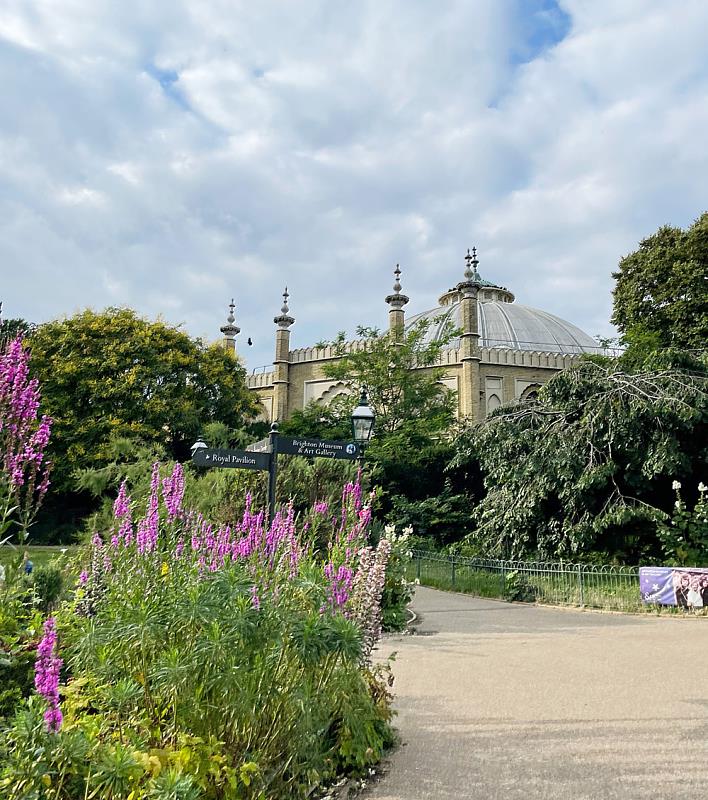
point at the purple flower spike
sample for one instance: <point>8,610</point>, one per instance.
<point>46,675</point>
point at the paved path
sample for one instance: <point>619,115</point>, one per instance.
<point>499,700</point>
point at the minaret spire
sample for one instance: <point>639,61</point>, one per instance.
<point>396,316</point>
<point>281,364</point>
<point>470,357</point>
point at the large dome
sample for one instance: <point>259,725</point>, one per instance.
<point>506,324</point>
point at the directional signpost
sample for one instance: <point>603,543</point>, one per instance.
<point>236,459</point>
<point>317,448</point>
<point>263,455</point>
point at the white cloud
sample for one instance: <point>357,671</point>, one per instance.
<point>170,156</point>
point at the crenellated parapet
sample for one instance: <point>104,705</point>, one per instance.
<point>260,380</point>
<point>527,358</point>
<point>328,352</point>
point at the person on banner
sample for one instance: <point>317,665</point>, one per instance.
<point>681,586</point>
<point>704,590</point>
<point>694,598</point>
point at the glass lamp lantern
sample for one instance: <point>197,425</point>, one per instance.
<point>363,419</point>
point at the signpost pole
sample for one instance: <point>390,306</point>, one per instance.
<point>272,471</point>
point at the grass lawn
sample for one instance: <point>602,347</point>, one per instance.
<point>39,554</point>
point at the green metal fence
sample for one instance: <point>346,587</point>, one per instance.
<point>557,583</point>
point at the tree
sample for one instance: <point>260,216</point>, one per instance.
<point>661,295</point>
<point>12,328</point>
<point>415,413</point>
<point>399,370</point>
<point>115,374</point>
<point>589,466</point>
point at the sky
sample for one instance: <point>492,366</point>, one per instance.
<point>171,156</point>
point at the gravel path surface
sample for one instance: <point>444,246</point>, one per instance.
<point>499,700</point>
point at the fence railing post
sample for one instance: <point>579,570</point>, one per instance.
<point>502,578</point>
<point>417,566</point>
<point>581,586</point>
<point>452,571</point>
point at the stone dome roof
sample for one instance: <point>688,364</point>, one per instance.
<point>506,324</point>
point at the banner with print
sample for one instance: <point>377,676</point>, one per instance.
<point>674,586</point>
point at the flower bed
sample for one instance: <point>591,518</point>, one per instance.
<point>208,663</point>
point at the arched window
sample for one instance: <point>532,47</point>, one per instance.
<point>530,393</point>
<point>493,402</point>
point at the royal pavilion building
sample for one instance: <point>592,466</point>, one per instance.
<point>504,353</point>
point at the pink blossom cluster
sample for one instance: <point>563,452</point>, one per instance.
<point>356,516</point>
<point>173,492</point>
<point>340,584</point>
<point>149,525</point>
<point>23,440</point>
<point>46,675</point>
<point>189,536</point>
<point>123,515</point>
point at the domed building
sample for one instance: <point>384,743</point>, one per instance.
<point>504,353</point>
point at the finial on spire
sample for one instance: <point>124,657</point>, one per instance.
<point>397,300</point>
<point>230,330</point>
<point>471,262</point>
<point>284,320</point>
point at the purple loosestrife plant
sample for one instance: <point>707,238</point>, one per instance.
<point>173,492</point>
<point>46,675</point>
<point>340,585</point>
<point>24,467</point>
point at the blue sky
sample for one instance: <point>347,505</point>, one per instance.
<point>171,156</point>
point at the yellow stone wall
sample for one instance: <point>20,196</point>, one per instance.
<point>507,374</point>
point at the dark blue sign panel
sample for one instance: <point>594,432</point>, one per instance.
<point>317,448</point>
<point>236,459</point>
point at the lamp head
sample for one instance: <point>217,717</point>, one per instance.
<point>363,419</point>
<point>197,446</point>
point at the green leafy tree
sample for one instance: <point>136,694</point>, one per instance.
<point>661,295</point>
<point>116,374</point>
<point>589,465</point>
<point>399,370</point>
<point>415,414</point>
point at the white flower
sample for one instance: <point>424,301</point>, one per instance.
<point>702,487</point>
<point>390,530</point>
<point>675,485</point>
<point>408,530</point>
<point>417,581</point>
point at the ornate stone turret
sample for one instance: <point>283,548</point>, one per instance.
<point>469,341</point>
<point>397,316</point>
<point>230,330</point>
<point>281,365</point>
